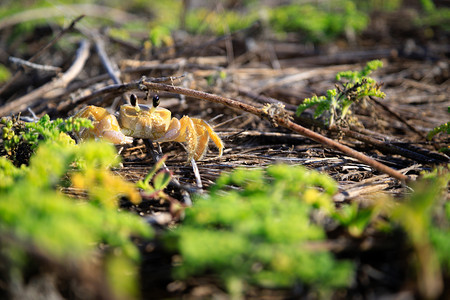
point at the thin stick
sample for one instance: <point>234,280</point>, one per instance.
<point>279,119</point>
<point>198,179</point>
<point>386,146</point>
<point>116,89</point>
<point>23,62</point>
<point>29,99</point>
<point>113,72</point>
<point>398,117</point>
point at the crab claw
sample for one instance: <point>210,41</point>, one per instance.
<point>105,126</point>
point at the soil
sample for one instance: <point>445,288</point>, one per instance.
<point>262,68</point>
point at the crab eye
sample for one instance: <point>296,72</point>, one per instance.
<point>155,101</point>
<point>133,99</point>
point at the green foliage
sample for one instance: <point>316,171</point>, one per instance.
<point>9,174</point>
<point>337,102</point>
<point>5,74</point>
<point>35,212</point>
<point>441,128</point>
<point>259,233</point>
<point>316,23</point>
<point>425,218</point>
<point>18,135</point>
<point>392,5</point>
<point>205,21</point>
<point>160,180</point>
<point>354,218</point>
<point>428,5</point>
<point>160,35</point>
<point>438,18</point>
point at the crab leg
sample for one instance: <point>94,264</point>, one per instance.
<point>188,134</point>
<point>211,133</point>
<point>203,139</point>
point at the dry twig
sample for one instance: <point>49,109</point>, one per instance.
<point>26,63</point>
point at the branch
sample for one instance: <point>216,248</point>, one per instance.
<point>33,97</point>
<point>26,63</point>
<point>111,68</point>
<point>115,89</point>
<point>279,119</point>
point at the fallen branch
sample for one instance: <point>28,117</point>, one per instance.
<point>276,118</point>
<point>26,63</point>
<point>29,99</point>
<point>114,90</point>
<point>110,67</point>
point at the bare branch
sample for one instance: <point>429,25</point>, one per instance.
<point>111,68</point>
<point>22,62</point>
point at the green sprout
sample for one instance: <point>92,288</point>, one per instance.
<point>160,180</point>
<point>335,106</point>
<point>443,128</point>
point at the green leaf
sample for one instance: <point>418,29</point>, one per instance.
<point>162,180</point>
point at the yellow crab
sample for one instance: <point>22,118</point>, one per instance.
<point>149,122</point>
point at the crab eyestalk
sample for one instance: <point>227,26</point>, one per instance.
<point>134,102</point>
<point>155,103</point>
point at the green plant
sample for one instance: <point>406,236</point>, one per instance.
<point>259,232</point>
<point>20,139</point>
<point>354,218</point>
<point>34,211</point>
<point>443,128</point>
<point>160,180</point>
<point>318,23</point>
<point>337,102</point>
<point>5,74</point>
<point>425,217</point>
<point>219,23</point>
<point>435,18</point>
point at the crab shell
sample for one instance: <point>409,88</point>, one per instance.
<point>147,122</point>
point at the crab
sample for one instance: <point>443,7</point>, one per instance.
<point>149,122</point>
